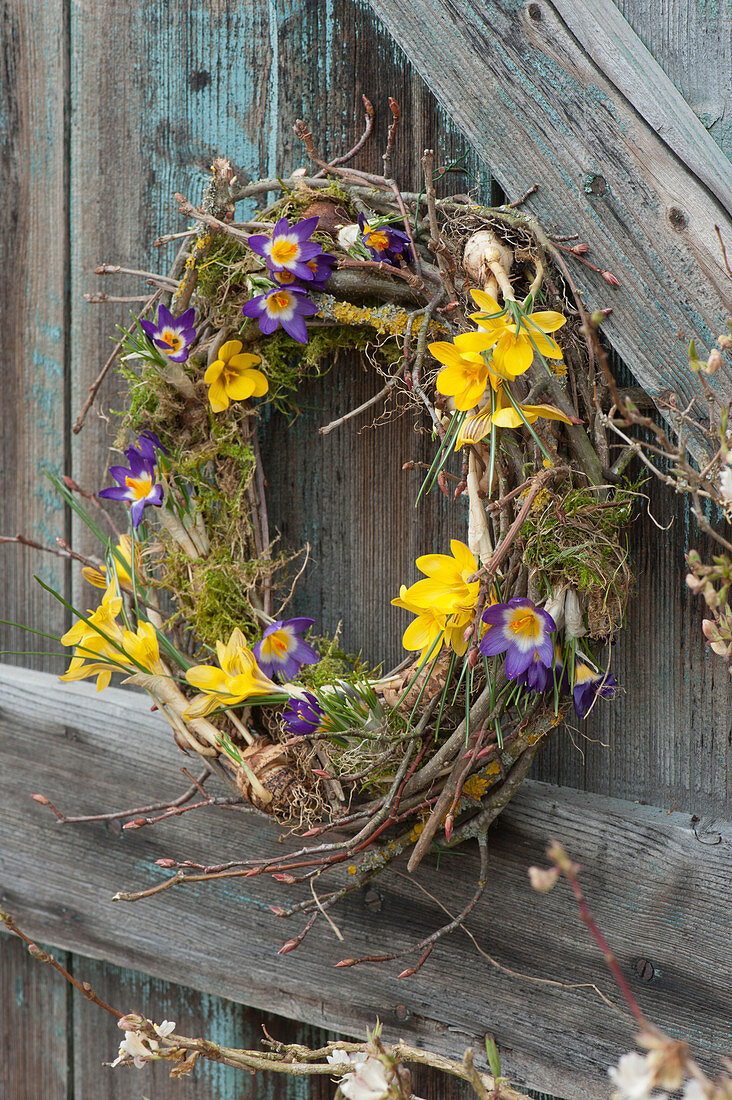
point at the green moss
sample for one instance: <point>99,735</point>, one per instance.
<point>578,539</point>
<point>334,664</point>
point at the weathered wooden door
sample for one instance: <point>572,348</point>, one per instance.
<point>107,112</point>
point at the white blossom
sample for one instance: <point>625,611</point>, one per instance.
<point>133,1046</point>
<point>165,1029</point>
<point>725,484</point>
<point>694,1090</point>
<point>367,1083</point>
<point>632,1077</point>
<point>139,1049</point>
<point>339,1056</point>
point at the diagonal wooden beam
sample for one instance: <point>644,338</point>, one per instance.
<point>565,95</point>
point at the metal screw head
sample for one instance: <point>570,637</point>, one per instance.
<point>535,12</point>
<point>402,1012</point>
<point>644,969</point>
<point>372,900</point>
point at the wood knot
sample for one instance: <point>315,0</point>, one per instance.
<point>535,12</point>
<point>678,218</point>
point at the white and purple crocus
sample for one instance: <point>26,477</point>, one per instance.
<point>588,684</point>
<point>171,335</point>
<point>304,716</point>
<point>285,306</point>
<point>136,483</point>
<point>296,264</point>
<point>384,242</point>
<point>281,651</point>
<point>289,248</point>
<point>523,632</point>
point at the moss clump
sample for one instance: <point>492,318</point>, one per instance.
<point>579,540</point>
<point>215,594</point>
<point>334,664</point>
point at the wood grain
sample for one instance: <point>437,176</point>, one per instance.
<point>34,1005</point>
<point>140,97</point>
<point>660,891</point>
<point>33,259</point>
<point>538,99</point>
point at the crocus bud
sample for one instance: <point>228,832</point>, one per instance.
<point>348,235</point>
<point>574,622</point>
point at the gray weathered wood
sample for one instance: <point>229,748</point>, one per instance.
<point>33,307</point>
<point>530,86</point>
<point>660,891</point>
<point>34,1055</point>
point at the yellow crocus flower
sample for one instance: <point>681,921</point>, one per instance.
<point>142,646</point>
<point>422,632</point>
<point>95,653</point>
<point>513,344</point>
<point>465,376</point>
<point>232,377</point>
<point>478,425</point>
<point>447,589</point>
<point>237,678</point>
<point>122,558</point>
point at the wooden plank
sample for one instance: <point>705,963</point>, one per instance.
<point>522,83</point>
<point>692,41</point>
<point>665,738</point>
<point>33,258</point>
<point>156,94</point>
<point>96,1038</point>
<point>661,893</point>
<point>34,1003</point>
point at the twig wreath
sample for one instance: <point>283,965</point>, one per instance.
<point>471,316</point>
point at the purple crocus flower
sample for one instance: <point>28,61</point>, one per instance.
<point>281,651</point>
<point>321,267</point>
<point>536,677</point>
<point>304,715</point>
<point>289,248</point>
<point>172,335</point>
<point>385,243</point>
<point>147,444</point>
<point>588,684</point>
<point>136,484</point>
<point>286,306</point>
<point>521,630</point>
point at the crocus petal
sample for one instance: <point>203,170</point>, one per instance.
<point>517,661</point>
<point>217,395</point>
<point>493,642</point>
<point>486,302</point>
<point>296,328</point>
<point>548,320</point>
<point>513,354</point>
<point>255,306</point>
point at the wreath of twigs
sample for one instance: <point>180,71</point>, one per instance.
<point>471,316</point>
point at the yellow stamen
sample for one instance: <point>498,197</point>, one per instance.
<point>173,340</point>
<point>377,239</point>
<point>525,622</point>
<point>278,303</point>
<point>140,485</point>
<point>284,251</point>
